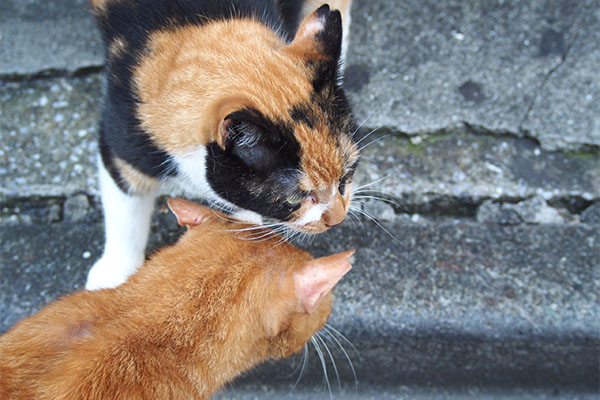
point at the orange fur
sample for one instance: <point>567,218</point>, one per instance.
<point>194,316</point>
<point>184,81</point>
<point>139,183</point>
<point>193,77</point>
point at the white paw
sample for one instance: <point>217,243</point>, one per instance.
<point>108,274</point>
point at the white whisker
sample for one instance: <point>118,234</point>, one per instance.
<point>367,135</point>
<point>376,222</point>
<point>362,123</point>
<point>303,365</point>
<point>376,140</point>
<point>354,190</point>
<point>251,228</point>
<point>352,213</point>
<point>324,344</point>
<point>323,363</point>
<point>341,335</point>
<point>371,197</point>
<point>330,332</point>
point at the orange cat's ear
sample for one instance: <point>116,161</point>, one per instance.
<point>319,41</point>
<point>188,213</point>
<point>317,277</point>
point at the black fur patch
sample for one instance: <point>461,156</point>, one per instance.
<point>127,141</point>
<point>330,41</point>
<point>303,114</point>
<point>134,21</point>
<point>241,176</point>
<point>290,14</point>
<point>108,159</point>
<point>333,103</point>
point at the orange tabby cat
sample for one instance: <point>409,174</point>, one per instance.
<point>195,315</point>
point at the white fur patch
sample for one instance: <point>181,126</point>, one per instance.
<point>248,216</point>
<point>126,226</point>
<point>312,215</point>
<point>192,167</point>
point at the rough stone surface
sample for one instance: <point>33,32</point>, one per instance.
<point>442,301</point>
<point>486,161</point>
<point>432,174</point>
<point>566,107</point>
<point>490,211</point>
<point>592,214</point>
<point>531,211</point>
<point>48,148</point>
<point>48,130</point>
<point>522,67</point>
<point>519,67</point>
<point>394,392</point>
<point>76,207</point>
<point>47,36</point>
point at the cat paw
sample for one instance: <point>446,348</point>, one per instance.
<point>106,274</point>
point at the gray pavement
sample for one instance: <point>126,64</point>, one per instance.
<point>444,301</point>
<point>526,68</point>
<point>480,277</point>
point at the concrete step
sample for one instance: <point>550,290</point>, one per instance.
<point>485,153</point>
<point>244,391</point>
<point>442,302</point>
<point>450,172</point>
<point>525,68</point>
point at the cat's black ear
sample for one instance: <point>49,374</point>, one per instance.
<point>248,141</point>
<point>319,41</point>
<point>322,29</point>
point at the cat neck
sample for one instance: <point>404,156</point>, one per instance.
<point>195,315</point>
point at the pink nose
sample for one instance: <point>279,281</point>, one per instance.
<point>336,212</point>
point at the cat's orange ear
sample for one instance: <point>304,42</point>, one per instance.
<point>319,36</point>
<point>188,213</point>
<point>317,277</point>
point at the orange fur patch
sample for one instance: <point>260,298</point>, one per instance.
<point>137,181</point>
<point>193,317</point>
<point>190,80</point>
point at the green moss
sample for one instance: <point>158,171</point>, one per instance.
<point>586,156</point>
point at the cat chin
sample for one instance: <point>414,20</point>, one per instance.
<point>311,229</point>
<point>310,216</point>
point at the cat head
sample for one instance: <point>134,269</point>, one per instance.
<point>280,295</point>
<point>279,128</point>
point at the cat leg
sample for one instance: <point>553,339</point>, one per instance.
<point>126,225</point>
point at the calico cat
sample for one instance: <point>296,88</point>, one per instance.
<point>192,318</point>
<point>237,102</point>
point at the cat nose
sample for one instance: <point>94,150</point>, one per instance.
<point>335,213</point>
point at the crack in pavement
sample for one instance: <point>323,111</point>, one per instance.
<point>563,58</point>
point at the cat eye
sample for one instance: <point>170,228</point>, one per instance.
<point>345,181</point>
<point>343,184</point>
